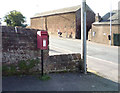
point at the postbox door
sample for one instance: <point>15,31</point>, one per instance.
<point>42,41</point>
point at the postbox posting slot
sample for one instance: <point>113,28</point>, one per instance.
<point>43,33</point>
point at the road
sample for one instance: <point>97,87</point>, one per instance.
<point>62,46</point>
<point>100,57</point>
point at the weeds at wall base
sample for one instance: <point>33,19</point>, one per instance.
<point>44,77</point>
<point>22,68</point>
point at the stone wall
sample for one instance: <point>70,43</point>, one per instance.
<point>19,45</point>
<point>56,63</point>
<point>20,53</point>
<point>65,62</point>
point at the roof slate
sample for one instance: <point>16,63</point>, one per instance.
<point>106,18</point>
<point>60,11</point>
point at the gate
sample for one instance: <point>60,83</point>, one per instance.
<point>116,39</point>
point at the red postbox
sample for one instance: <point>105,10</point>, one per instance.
<point>42,40</point>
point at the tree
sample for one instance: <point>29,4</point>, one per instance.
<point>15,18</point>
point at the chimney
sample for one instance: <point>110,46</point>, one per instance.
<point>97,18</point>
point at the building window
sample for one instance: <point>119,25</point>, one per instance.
<point>104,34</point>
<point>94,33</point>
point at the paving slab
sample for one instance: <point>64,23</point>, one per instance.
<point>59,82</point>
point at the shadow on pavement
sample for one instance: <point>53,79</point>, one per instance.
<point>72,81</point>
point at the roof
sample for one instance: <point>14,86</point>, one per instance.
<point>106,18</point>
<point>60,11</point>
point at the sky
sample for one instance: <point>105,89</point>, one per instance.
<point>30,7</point>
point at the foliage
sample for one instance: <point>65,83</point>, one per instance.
<point>32,63</point>
<point>44,77</point>
<point>13,69</point>
<point>14,18</point>
<point>23,66</point>
<point>9,70</point>
<point>5,68</point>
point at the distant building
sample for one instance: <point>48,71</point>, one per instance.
<point>100,31</point>
<point>66,20</point>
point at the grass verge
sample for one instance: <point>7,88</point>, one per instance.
<point>44,77</point>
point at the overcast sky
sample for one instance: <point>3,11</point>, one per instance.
<point>30,7</point>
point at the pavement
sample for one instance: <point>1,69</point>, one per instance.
<point>72,81</point>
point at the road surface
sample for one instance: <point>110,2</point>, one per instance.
<point>101,58</point>
<point>62,46</point>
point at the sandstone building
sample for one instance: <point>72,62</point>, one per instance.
<point>66,20</point>
<point>100,31</point>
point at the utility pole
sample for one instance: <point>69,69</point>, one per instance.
<point>111,22</point>
<point>0,56</point>
<point>83,34</point>
<point>0,21</point>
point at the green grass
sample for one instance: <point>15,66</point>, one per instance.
<point>9,70</point>
<point>44,78</point>
<point>24,67</point>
